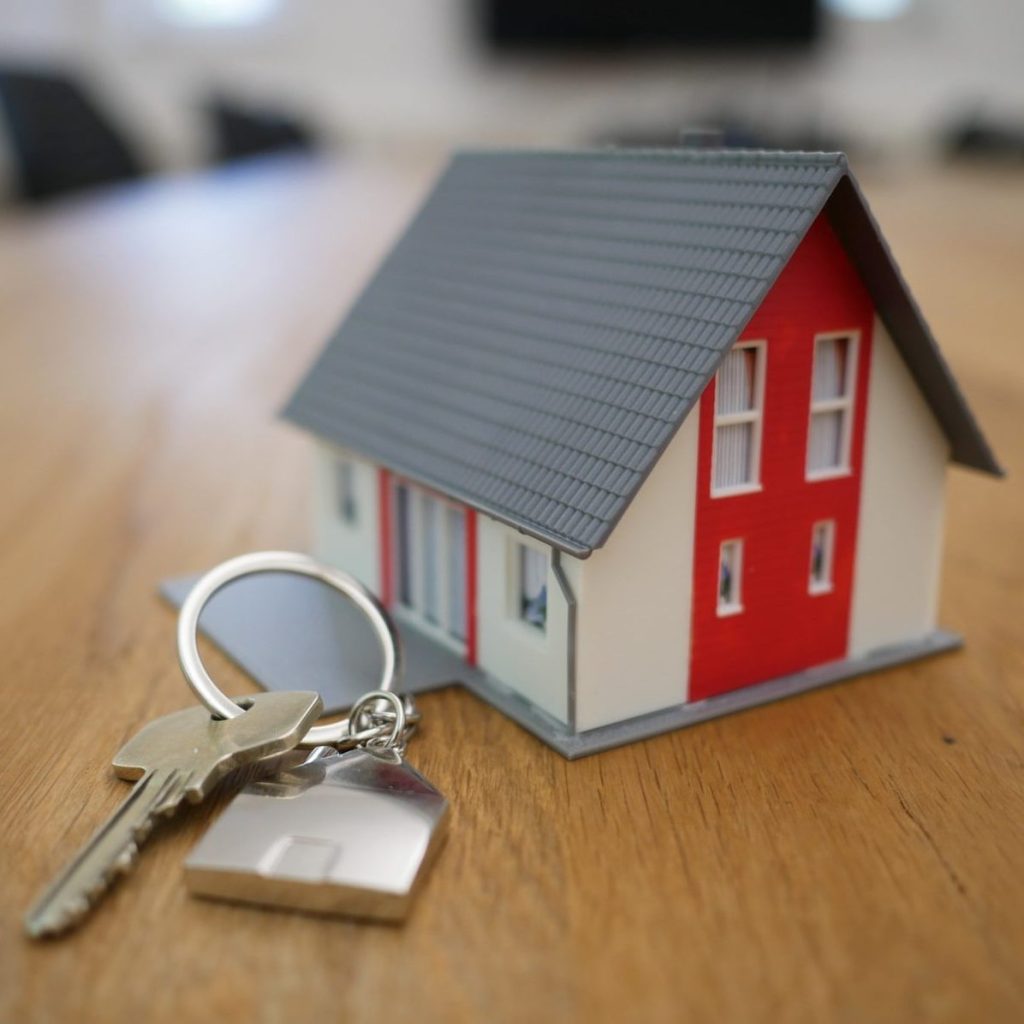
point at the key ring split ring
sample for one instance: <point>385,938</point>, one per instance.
<point>395,719</point>
<point>215,699</point>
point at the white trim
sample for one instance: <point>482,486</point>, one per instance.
<point>735,606</point>
<point>754,416</point>
<point>844,404</point>
<point>729,492</point>
<point>514,586</point>
<point>826,584</point>
<point>828,474</point>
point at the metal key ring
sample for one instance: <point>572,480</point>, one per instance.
<point>289,562</point>
<point>397,726</point>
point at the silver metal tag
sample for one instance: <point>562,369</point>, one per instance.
<point>347,833</point>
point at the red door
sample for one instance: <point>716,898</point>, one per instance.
<point>778,479</point>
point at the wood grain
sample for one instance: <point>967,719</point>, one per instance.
<point>854,854</point>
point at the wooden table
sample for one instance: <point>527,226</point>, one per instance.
<point>854,854</point>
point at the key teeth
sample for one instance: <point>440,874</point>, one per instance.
<point>73,910</point>
<point>77,910</point>
<point>123,864</point>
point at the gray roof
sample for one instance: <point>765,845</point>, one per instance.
<point>542,329</point>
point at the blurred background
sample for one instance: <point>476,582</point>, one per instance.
<point>96,91</point>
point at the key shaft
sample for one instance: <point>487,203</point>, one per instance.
<point>109,853</point>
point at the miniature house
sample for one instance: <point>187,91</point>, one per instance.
<point>636,438</point>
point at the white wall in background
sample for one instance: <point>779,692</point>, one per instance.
<point>352,544</point>
<point>407,72</point>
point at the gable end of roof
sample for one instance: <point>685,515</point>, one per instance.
<point>858,231</point>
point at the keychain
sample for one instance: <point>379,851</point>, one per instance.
<point>349,830</point>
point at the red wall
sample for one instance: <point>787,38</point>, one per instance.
<point>782,627</point>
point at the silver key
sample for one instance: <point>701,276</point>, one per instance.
<point>177,757</point>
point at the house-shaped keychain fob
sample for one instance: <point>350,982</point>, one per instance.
<point>349,833</point>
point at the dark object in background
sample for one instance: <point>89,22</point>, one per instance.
<point>980,137</point>
<point>61,140</point>
<point>238,131</point>
<point>651,24</point>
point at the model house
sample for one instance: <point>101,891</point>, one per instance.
<point>636,438</point>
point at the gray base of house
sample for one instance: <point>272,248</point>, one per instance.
<point>289,634</point>
<point>592,741</point>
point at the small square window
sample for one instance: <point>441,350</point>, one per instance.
<point>730,577</point>
<point>345,491</point>
<point>823,539</point>
<point>533,586</point>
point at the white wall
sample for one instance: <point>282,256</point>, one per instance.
<point>352,547</point>
<point>633,632</point>
<point>899,544</point>
<point>533,663</point>
<point>408,71</point>
<point>518,655</point>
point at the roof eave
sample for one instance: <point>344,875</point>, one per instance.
<point>556,540</point>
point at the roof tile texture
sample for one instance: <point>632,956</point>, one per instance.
<point>539,333</point>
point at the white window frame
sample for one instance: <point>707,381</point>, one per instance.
<point>845,404</point>
<point>514,575</point>
<point>735,606</point>
<point>755,416</point>
<point>827,583</point>
<point>415,612</point>
<point>346,490</point>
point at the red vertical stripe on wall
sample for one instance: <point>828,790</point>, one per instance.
<point>387,575</point>
<point>783,628</point>
<point>471,586</point>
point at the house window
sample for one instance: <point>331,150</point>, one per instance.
<point>823,540</point>
<point>345,491</point>
<point>730,577</point>
<point>404,537</point>
<point>739,396</point>
<point>430,559</point>
<point>430,544</point>
<point>455,597</point>
<point>832,388</point>
<point>532,585</point>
